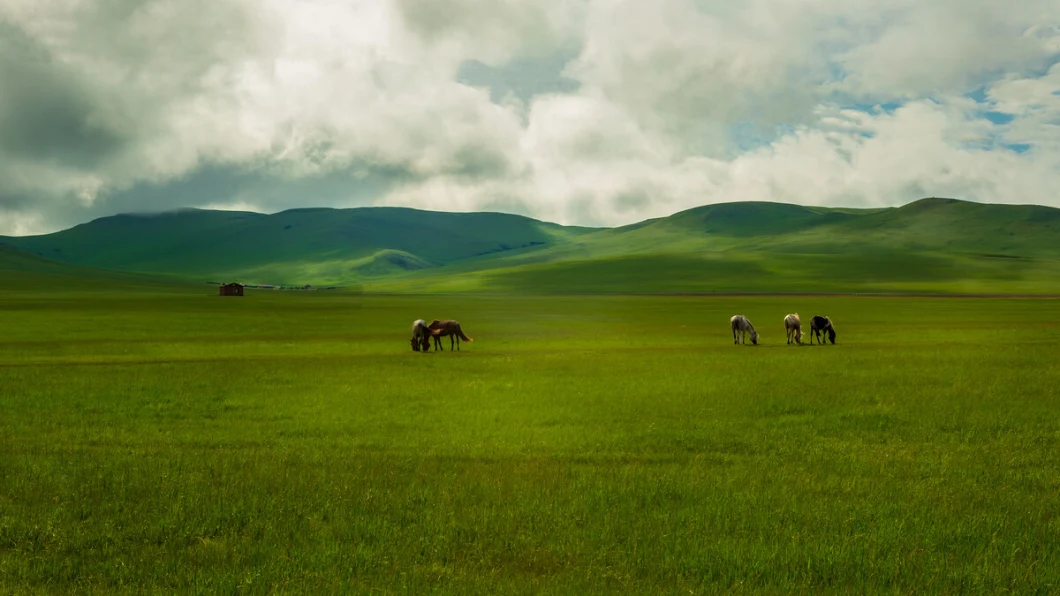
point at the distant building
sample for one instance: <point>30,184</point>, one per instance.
<point>232,289</point>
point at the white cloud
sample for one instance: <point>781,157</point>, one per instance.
<point>1035,105</point>
<point>946,47</point>
<point>234,206</point>
<point>293,89</point>
<point>21,224</point>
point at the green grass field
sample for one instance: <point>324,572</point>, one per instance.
<point>160,438</point>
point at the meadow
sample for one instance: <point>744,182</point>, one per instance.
<point>161,438</point>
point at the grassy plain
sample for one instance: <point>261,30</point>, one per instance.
<point>161,438</point>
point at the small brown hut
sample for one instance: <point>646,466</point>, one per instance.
<point>232,289</point>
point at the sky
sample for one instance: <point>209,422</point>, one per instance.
<point>592,112</point>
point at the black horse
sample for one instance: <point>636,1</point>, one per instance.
<point>819,324</point>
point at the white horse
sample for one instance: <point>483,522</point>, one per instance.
<point>421,336</point>
<point>793,328</point>
<point>740,327</point>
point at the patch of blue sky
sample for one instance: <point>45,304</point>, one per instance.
<point>978,95</point>
<point>998,117</point>
<point>887,107</point>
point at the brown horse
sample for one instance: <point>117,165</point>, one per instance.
<point>440,329</point>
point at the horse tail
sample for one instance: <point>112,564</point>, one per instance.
<point>462,335</point>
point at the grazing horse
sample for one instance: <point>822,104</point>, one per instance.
<point>793,328</point>
<point>820,324</point>
<point>421,336</point>
<point>740,327</point>
<point>440,329</point>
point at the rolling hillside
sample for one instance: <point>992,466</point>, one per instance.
<point>22,272</point>
<point>926,225</point>
<point>928,245</point>
<point>931,245</point>
<point>295,246</point>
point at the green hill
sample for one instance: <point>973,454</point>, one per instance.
<point>931,245</point>
<point>23,272</point>
<point>925,225</point>
<point>928,245</point>
<point>295,246</point>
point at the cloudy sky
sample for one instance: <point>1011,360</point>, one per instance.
<point>595,112</point>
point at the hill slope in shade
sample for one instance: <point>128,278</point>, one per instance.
<point>314,245</point>
<point>927,245</point>
<point>21,271</point>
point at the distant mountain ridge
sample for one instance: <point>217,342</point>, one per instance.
<point>405,249</point>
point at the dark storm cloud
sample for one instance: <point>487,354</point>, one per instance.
<point>14,201</point>
<point>475,162</point>
<point>47,111</point>
<point>631,201</point>
<point>213,186</point>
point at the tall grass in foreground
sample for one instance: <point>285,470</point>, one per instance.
<point>294,443</point>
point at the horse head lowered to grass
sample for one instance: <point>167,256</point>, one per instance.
<point>740,328</point>
<point>818,325</point>
<point>421,336</point>
<point>793,328</point>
